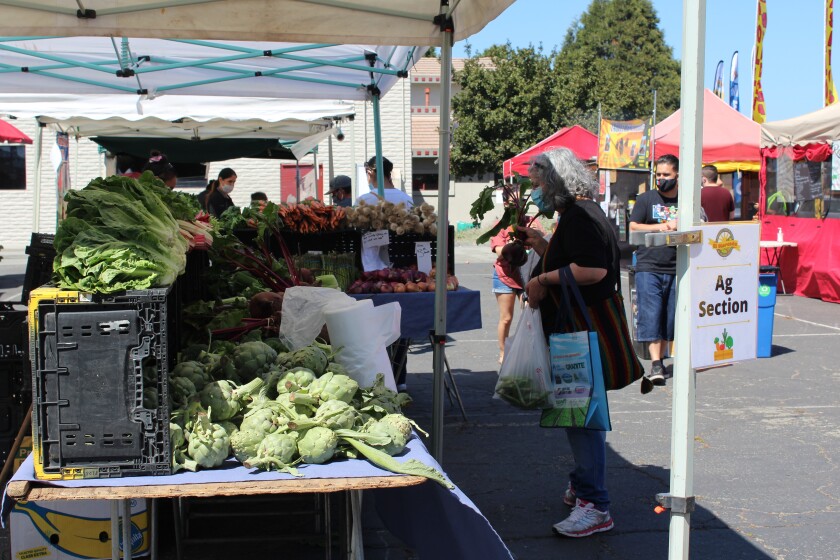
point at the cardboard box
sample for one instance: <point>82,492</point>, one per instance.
<point>72,529</point>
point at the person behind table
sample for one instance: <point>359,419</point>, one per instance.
<point>340,191</point>
<point>715,199</point>
<point>218,200</point>
<point>656,267</point>
<point>585,242</point>
<point>390,193</point>
<point>159,165</point>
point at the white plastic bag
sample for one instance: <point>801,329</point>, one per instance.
<point>303,313</point>
<point>524,378</point>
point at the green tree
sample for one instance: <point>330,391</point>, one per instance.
<point>615,55</point>
<point>500,110</point>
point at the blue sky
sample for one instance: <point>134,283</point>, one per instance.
<point>793,46</point>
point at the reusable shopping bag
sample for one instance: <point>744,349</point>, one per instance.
<point>524,379</point>
<point>580,398</point>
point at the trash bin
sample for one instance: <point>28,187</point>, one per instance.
<point>766,308</point>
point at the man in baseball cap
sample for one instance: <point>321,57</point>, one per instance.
<point>340,190</point>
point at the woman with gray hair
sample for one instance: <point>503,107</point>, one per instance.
<point>585,242</point>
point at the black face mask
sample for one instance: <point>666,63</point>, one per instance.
<point>666,185</point>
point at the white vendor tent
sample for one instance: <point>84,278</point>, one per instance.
<point>326,22</point>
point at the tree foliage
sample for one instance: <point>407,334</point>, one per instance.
<point>501,111</point>
<point>615,55</point>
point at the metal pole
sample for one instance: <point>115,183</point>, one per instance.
<point>442,257</point>
<point>691,142</point>
<point>377,140</point>
<point>36,196</point>
<point>315,165</point>
<point>115,529</point>
<point>126,529</point>
<point>355,188</point>
<point>653,145</point>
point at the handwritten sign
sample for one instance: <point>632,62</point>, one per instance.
<point>423,250</point>
<point>375,250</point>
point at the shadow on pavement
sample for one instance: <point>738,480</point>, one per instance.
<point>516,472</point>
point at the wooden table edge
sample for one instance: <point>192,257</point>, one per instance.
<point>31,490</point>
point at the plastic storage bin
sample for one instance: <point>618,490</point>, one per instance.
<point>95,359</point>
<point>766,309</point>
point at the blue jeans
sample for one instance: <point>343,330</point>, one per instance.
<point>589,478</point>
<point>656,294</point>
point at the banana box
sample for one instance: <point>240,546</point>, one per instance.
<point>72,529</point>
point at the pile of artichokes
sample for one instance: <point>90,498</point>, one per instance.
<point>293,408</point>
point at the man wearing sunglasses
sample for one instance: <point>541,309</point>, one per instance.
<point>391,193</point>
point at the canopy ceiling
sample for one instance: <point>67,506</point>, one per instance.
<point>730,139</point>
<point>395,22</point>
<point>582,142</point>
<point>196,151</point>
<point>180,116</point>
<point>153,67</point>
<point>820,127</point>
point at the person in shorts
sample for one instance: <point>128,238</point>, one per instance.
<point>507,286</point>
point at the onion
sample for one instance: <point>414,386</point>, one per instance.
<point>411,287</point>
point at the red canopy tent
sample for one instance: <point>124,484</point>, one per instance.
<point>582,142</point>
<point>11,135</point>
<point>730,140</point>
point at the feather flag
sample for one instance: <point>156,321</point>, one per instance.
<point>830,91</point>
<point>734,95</point>
<point>718,87</point>
<point>759,112</point>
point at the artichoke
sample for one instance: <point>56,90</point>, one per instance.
<point>397,439</point>
<point>317,445</point>
<point>265,419</point>
<point>181,391</point>
<point>402,423</point>
<point>176,436</point>
<point>337,368</point>
<point>253,359</point>
<point>276,344</point>
<point>295,379</point>
<point>194,371</point>
<point>222,347</point>
<point>225,398</point>
<point>309,357</point>
<point>209,444</point>
<point>276,451</point>
<point>191,352</point>
<point>218,366</point>
<point>244,444</point>
<point>336,415</point>
<point>334,387</point>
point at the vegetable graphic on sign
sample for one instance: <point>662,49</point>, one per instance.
<point>723,346</point>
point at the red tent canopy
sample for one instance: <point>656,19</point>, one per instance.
<point>582,142</point>
<point>11,135</point>
<point>728,136</point>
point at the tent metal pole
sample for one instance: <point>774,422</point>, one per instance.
<point>36,195</point>
<point>315,170</point>
<point>653,145</point>
<point>691,142</point>
<point>377,141</point>
<point>442,257</point>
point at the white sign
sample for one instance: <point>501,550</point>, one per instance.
<point>724,299</point>
<point>375,250</point>
<point>423,250</point>
<point>308,186</point>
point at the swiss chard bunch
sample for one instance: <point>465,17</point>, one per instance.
<point>516,200</point>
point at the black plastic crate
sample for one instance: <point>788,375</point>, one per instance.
<point>13,336</point>
<point>39,265</point>
<point>340,241</point>
<point>401,249</point>
<point>92,358</point>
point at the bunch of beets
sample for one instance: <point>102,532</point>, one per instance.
<point>398,280</point>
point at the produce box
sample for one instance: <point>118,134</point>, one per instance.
<point>401,249</point>
<point>340,265</point>
<point>340,241</point>
<point>65,529</point>
<point>15,377</point>
<point>98,361</point>
<point>39,265</point>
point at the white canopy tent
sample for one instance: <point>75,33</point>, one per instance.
<point>182,116</point>
<point>397,22</point>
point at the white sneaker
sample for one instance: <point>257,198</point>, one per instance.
<point>584,521</point>
<point>569,497</point>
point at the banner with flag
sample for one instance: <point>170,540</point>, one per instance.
<point>734,95</point>
<point>624,144</point>
<point>718,87</point>
<point>830,91</point>
<point>759,113</point>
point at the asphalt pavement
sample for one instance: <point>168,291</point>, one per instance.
<point>767,448</point>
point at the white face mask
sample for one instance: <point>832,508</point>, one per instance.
<point>227,189</point>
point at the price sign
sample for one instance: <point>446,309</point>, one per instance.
<point>423,250</point>
<point>375,250</point>
<point>376,238</point>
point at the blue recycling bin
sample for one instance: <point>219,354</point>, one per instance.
<point>766,309</point>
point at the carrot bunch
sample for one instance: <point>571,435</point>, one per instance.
<point>311,216</point>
